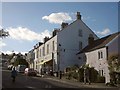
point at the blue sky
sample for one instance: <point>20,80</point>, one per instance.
<point>29,22</point>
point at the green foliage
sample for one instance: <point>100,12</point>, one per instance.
<point>20,61</point>
<point>114,62</point>
<point>100,79</point>
<point>77,73</point>
<point>72,72</point>
<point>93,74</point>
<point>81,75</point>
<point>114,67</point>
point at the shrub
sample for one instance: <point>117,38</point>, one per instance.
<point>93,74</point>
<point>75,75</point>
<point>101,79</point>
<point>81,75</point>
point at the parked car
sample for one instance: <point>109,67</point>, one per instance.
<point>10,67</point>
<point>30,72</point>
<point>21,68</point>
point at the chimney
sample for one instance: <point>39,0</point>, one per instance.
<point>78,16</point>
<point>90,40</point>
<point>63,25</point>
<point>34,47</point>
<point>40,43</point>
<point>46,39</point>
<point>55,32</point>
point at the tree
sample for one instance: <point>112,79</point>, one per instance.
<point>114,67</point>
<point>114,63</point>
<point>20,61</point>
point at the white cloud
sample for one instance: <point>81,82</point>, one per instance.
<point>2,44</point>
<point>1,27</point>
<point>10,52</point>
<point>106,31</point>
<point>21,33</point>
<point>57,18</point>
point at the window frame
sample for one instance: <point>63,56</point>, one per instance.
<point>100,54</point>
<point>80,45</point>
<point>47,48</point>
<point>80,32</point>
<point>53,45</point>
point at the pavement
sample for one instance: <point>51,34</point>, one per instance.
<point>80,84</point>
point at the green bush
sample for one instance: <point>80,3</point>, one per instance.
<point>101,79</point>
<point>81,75</point>
<point>114,77</point>
<point>69,75</point>
<point>75,75</point>
<point>93,74</point>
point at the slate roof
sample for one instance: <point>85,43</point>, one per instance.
<point>99,43</point>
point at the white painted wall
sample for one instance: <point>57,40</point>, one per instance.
<point>99,64</point>
<point>47,56</point>
<point>35,59</point>
<point>69,39</point>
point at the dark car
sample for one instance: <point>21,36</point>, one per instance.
<point>30,72</point>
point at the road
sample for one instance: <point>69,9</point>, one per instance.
<point>35,83</point>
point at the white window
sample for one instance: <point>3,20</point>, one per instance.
<point>53,44</point>
<point>101,72</point>
<point>43,51</point>
<point>80,32</point>
<point>47,48</point>
<point>100,55</point>
<point>40,52</point>
<point>37,53</point>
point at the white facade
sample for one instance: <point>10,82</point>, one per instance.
<point>98,60</point>
<point>67,42</point>
<point>46,52</point>
<point>69,39</point>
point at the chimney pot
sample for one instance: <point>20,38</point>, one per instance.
<point>78,16</point>
<point>55,31</point>
<point>46,39</point>
<point>63,25</point>
<point>90,40</point>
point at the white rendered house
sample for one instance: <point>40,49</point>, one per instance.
<point>59,51</point>
<point>98,52</point>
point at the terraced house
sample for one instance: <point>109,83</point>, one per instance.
<point>59,51</point>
